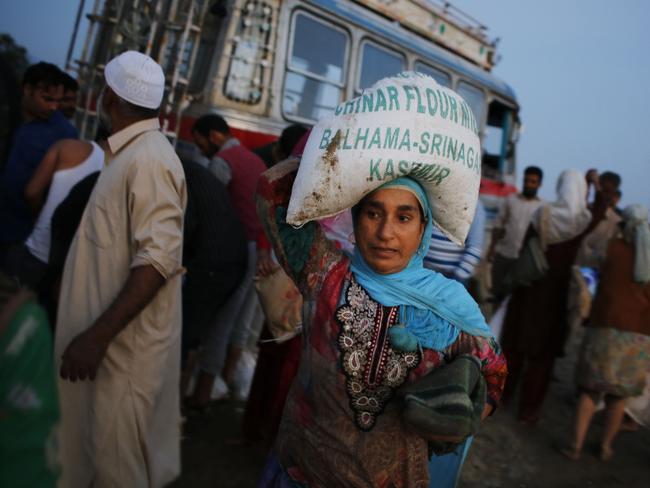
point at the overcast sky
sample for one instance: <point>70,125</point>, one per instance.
<point>580,69</point>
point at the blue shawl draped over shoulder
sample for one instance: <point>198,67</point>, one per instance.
<point>433,308</point>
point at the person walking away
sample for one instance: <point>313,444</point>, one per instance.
<point>242,169</point>
<point>42,125</point>
<point>29,409</point>
<point>118,334</point>
<point>510,229</point>
<point>65,164</point>
<point>535,326</point>
<point>68,105</point>
<point>454,261</point>
<point>615,352</point>
<point>329,408</point>
<point>215,255</point>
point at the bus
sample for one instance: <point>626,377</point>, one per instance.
<point>264,64</point>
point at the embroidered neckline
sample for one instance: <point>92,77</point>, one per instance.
<point>373,369</point>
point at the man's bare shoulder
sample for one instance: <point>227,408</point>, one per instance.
<point>72,152</point>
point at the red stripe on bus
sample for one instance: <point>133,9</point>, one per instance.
<point>250,139</point>
<point>496,188</point>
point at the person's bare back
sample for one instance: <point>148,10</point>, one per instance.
<point>71,153</point>
<point>64,154</point>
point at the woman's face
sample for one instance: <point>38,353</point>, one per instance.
<point>388,229</point>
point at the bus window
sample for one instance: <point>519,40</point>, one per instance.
<point>205,52</point>
<point>251,46</point>
<point>377,63</point>
<point>498,148</point>
<point>475,98</point>
<point>440,76</point>
<point>316,72</point>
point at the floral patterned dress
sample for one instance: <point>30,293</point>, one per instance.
<point>340,427</point>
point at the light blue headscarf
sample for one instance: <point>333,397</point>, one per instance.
<point>433,309</point>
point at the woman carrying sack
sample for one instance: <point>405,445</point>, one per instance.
<point>615,353</point>
<point>372,325</point>
<point>535,327</point>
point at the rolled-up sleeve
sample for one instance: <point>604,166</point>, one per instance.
<point>157,198</point>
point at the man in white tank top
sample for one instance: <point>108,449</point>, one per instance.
<point>65,164</point>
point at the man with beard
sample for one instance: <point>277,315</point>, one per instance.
<point>118,334</point>
<point>510,229</point>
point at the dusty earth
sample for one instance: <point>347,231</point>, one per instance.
<point>504,454</point>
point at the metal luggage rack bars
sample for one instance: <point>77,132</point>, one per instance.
<point>167,30</point>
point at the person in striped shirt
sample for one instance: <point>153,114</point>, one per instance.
<point>454,261</point>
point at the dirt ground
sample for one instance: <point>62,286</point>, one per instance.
<point>504,454</point>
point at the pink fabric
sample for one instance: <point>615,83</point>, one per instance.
<point>339,228</point>
<point>246,169</point>
<point>299,148</point>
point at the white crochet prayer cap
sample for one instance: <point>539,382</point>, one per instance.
<point>136,78</point>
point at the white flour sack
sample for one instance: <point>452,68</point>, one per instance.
<point>404,125</point>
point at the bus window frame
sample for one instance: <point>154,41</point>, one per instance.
<point>510,136</point>
<point>362,42</point>
<point>434,68</point>
<point>486,96</point>
<point>289,55</point>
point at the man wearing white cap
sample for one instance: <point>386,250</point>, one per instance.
<point>119,321</point>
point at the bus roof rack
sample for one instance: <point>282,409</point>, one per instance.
<point>443,23</point>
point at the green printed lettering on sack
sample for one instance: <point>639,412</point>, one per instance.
<point>325,139</point>
<point>435,144</point>
<point>349,107</point>
<point>453,113</point>
<point>432,102</point>
<point>423,146</point>
<point>367,102</point>
<point>461,153</point>
<point>391,138</point>
<point>464,115</point>
<point>421,108</point>
<point>437,103</point>
<point>361,138</point>
<point>406,141</point>
<point>380,170</point>
<point>393,97</point>
<point>376,139</point>
<point>410,96</point>
<point>451,148</point>
<point>345,140</point>
<point>381,101</point>
<point>374,170</point>
<point>444,107</point>
<point>470,157</point>
<point>389,169</point>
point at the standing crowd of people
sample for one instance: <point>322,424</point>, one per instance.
<point>145,268</point>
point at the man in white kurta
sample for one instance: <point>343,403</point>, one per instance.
<point>122,428</point>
